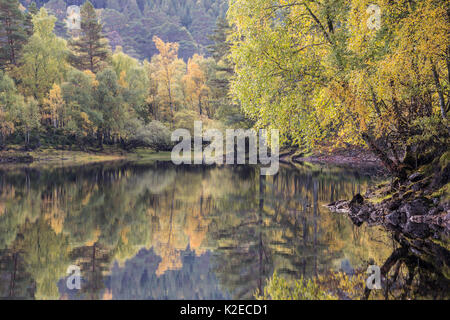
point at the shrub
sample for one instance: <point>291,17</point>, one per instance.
<point>154,135</point>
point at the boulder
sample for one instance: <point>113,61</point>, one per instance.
<point>340,206</point>
<point>396,218</point>
<point>360,213</point>
<point>415,208</point>
<point>357,199</point>
<point>416,176</point>
<point>417,230</point>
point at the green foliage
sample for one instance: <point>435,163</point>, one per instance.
<point>222,72</point>
<point>109,98</point>
<point>29,118</point>
<point>10,102</point>
<point>155,135</point>
<point>185,119</point>
<point>319,74</point>
<point>108,101</point>
<point>81,115</point>
<point>44,58</point>
<point>431,134</point>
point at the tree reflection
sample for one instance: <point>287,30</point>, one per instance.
<point>242,225</point>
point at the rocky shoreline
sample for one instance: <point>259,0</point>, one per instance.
<point>350,157</point>
<point>412,207</point>
<point>417,212</point>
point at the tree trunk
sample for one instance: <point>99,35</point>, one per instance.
<point>439,90</point>
<point>393,167</point>
<point>100,138</point>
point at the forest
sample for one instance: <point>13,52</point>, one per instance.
<point>327,75</point>
<point>77,92</point>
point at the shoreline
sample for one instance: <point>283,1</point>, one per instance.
<point>345,158</point>
<point>50,156</point>
<point>350,157</point>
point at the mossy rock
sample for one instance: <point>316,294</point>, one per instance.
<point>444,242</point>
<point>444,160</point>
<point>443,193</point>
<point>408,194</point>
<point>376,200</point>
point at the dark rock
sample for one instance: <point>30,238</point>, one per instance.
<point>340,206</point>
<point>375,215</point>
<point>417,230</point>
<point>435,222</point>
<point>415,177</point>
<point>360,213</point>
<point>415,208</point>
<point>436,210</point>
<point>396,218</point>
<point>394,204</point>
<point>357,199</point>
<point>446,221</point>
<point>417,186</point>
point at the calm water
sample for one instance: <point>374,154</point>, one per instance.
<point>159,231</point>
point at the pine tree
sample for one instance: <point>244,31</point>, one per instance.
<point>226,110</point>
<point>91,48</point>
<point>220,47</point>
<point>28,24</point>
<point>12,32</point>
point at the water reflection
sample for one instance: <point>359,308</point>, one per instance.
<point>159,231</point>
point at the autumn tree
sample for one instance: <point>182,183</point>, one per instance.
<point>195,88</point>
<point>54,107</point>
<point>169,71</point>
<point>321,74</point>
<point>90,49</point>
<point>152,99</point>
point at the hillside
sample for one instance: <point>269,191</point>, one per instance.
<point>133,23</point>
